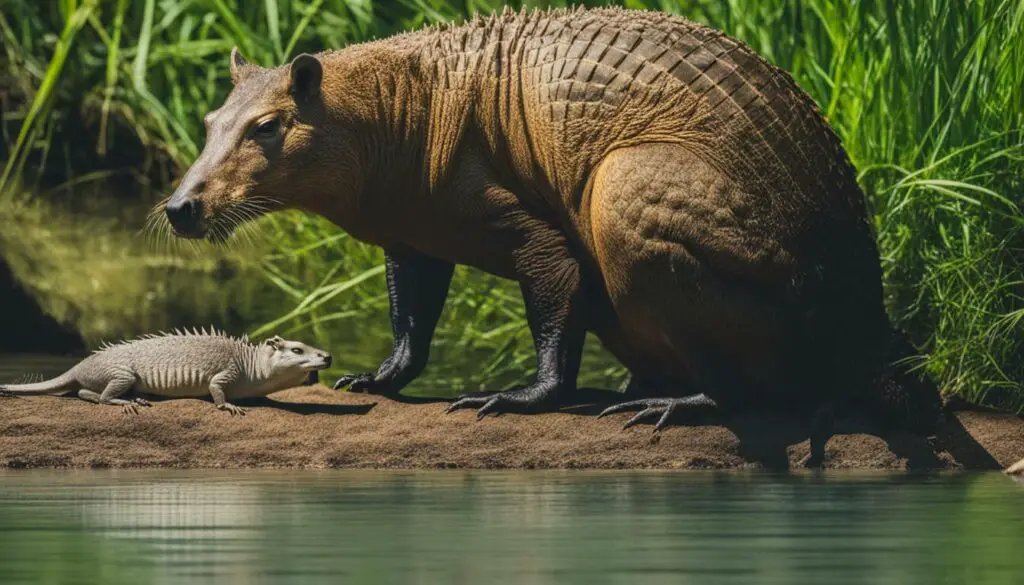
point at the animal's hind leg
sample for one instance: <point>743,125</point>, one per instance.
<point>112,393</point>
<point>698,285</point>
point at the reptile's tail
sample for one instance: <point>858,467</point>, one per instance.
<point>61,383</point>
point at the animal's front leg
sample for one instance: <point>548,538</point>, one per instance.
<point>217,385</point>
<point>417,288</point>
<point>550,281</point>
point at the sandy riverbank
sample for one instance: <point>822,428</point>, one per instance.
<point>315,427</point>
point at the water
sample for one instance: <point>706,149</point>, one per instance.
<point>14,367</point>
<point>507,527</point>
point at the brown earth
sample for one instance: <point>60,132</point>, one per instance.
<point>315,427</point>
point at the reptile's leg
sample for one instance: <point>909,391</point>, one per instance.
<point>417,288</point>
<point>658,406</point>
<point>217,385</point>
<point>115,388</point>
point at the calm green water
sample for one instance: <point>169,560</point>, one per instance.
<point>496,527</point>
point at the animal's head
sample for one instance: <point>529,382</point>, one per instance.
<point>294,357</point>
<point>262,148</point>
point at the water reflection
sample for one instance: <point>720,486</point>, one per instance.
<point>186,529</point>
<point>508,527</point>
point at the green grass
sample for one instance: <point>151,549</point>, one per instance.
<point>927,97</point>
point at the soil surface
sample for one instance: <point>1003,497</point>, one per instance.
<point>316,427</point>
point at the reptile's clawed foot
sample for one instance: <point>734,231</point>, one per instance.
<point>232,409</point>
<point>657,406</point>
<point>129,408</point>
<point>141,401</point>
<point>526,399</point>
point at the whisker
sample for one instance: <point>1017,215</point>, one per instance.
<point>243,239</point>
<point>219,239</point>
<point>222,229</point>
<point>156,228</point>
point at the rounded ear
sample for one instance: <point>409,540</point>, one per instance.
<point>274,341</point>
<point>305,78</point>
<point>239,66</point>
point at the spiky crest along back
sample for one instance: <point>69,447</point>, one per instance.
<point>211,332</point>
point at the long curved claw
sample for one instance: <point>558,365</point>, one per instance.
<point>664,407</point>
<point>362,379</point>
<point>129,408</point>
<point>623,406</point>
<point>487,404</point>
<point>527,399</point>
<point>647,413</point>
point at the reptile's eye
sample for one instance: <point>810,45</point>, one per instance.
<point>268,128</point>
<point>297,350</point>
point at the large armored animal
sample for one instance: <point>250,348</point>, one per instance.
<point>184,365</point>
<point>640,176</point>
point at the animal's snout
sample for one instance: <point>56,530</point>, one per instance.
<point>327,359</point>
<point>185,215</point>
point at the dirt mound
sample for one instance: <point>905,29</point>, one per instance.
<point>315,427</point>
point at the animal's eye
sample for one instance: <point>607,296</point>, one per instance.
<point>297,350</point>
<point>268,128</point>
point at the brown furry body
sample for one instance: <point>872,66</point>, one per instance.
<point>641,176</point>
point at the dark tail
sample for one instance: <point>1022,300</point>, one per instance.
<point>61,383</point>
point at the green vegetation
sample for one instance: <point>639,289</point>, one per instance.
<point>926,96</point>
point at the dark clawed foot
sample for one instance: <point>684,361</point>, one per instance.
<point>7,394</point>
<point>662,407</point>
<point>365,383</point>
<point>526,399</point>
<point>141,401</point>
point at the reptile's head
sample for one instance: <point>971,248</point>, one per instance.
<point>294,357</point>
<point>262,149</point>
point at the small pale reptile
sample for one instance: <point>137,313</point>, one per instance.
<point>185,364</point>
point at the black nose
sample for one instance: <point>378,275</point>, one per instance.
<point>327,359</point>
<point>184,214</point>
